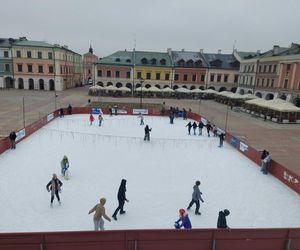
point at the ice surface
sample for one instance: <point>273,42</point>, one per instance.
<point>160,177</point>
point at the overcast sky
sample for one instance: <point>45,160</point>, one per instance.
<point>155,25</point>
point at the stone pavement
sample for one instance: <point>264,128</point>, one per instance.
<point>282,140</point>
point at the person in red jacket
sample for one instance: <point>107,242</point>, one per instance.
<point>91,119</point>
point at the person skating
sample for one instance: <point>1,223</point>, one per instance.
<point>54,186</point>
<point>64,164</point>
<point>266,162</point>
<point>208,128</point>
<point>196,198</point>
<point>200,126</point>
<point>92,119</point>
<point>215,130</point>
<point>183,221</point>
<point>262,157</point>
<point>99,210</point>
<point>222,222</point>
<point>141,119</point>
<point>189,125</point>
<point>121,199</point>
<point>61,113</point>
<point>147,133</point>
<point>195,127</point>
<point>184,114</point>
<point>12,137</point>
<point>222,138</point>
<point>110,111</point>
<point>100,118</point>
<point>70,109</point>
<point>171,116</point>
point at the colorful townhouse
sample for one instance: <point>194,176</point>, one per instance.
<point>6,69</point>
<point>88,66</point>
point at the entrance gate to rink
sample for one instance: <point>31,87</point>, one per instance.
<point>194,239</point>
<point>200,239</point>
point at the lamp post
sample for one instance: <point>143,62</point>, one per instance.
<point>141,97</point>
<point>55,104</point>
<point>199,104</point>
<point>226,118</point>
<point>23,111</point>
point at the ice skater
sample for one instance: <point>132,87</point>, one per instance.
<point>222,222</point>
<point>171,116</point>
<point>196,198</point>
<point>70,109</point>
<point>200,126</point>
<point>262,157</point>
<point>141,119</point>
<point>195,127</point>
<point>54,186</point>
<point>110,111</point>
<point>92,119</point>
<point>61,113</point>
<point>183,221</point>
<point>189,125</point>
<point>99,210</point>
<point>64,164</point>
<point>12,137</point>
<point>266,162</point>
<point>147,133</point>
<point>222,138</point>
<point>121,199</point>
<point>208,128</point>
<point>100,118</point>
<point>215,130</point>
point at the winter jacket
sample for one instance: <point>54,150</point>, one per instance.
<point>122,191</point>
<point>185,221</point>
<point>54,185</point>
<point>194,125</point>
<point>197,194</point>
<point>64,162</point>
<point>201,125</point>
<point>222,223</point>
<point>208,127</point>
<point>12,136</point>
<point>222,137</point>
<point>147,129</point>
<point>99,210</point>
<point>189,125</point>
<point>263,155</point>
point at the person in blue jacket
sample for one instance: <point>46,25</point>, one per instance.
<point>183,220</point>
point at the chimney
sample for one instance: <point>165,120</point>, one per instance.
<point>201,51</point>
<point>182,50</point>
<point>169,50</point>
<point>275,50</point>
<point>219,51</point>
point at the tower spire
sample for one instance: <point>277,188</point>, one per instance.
<point>91,49</point>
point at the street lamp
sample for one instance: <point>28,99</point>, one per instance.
<point>226,117</point>
<point>55,96</point>
<point>141,97</point>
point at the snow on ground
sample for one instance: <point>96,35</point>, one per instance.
<point>160,177</point>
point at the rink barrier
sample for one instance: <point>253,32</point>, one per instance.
<point>285,175</point>
<point>160,239</point>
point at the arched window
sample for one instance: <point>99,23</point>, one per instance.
<point>118,60</point>
<point>51,85</point>
<point>119,85</point>
<point>128,60</point>
<point>31,83</point>
<point>222,89</point>
<point>20,83</point>
<point>144,60</point>
<point>258,94</point>
<point>41,84</point>
<point>163,62</point>
<point>269,96</point>
<point>153,61</point>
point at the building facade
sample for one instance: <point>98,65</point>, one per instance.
<point>6,65</point>
<point>88,61</point>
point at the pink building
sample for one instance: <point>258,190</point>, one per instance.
<point>88,60</point>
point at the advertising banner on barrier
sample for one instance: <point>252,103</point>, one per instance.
<point>243,147</point>
<point>234,141</point>
<point>97,111</point>
<point>140,111</point>
<point>119,111</point>
<point>20,134</point>
<point>50,117</point>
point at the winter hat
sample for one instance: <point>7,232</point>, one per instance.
<point>197,183</point>
<point>181,211</point>
<point>102,201</point>
<point>226,212</point>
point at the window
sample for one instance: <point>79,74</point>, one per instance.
<point>236,78</point>
<point>272,83</point>
<point>259,69</point>
<point>212,78</point>
<point>185,77</point>
<point>148,76</point>
<point>89,72</point>
<point>117,74</point>
<point>268,81</point>
<point>225,78</point>
<point>176,77</point>
<point>219,78</point>
<point>108,73</point>
<point>128,74</point>
<point>7,68</point>
<point>286,81</point>
<point>258,82</point>
<point>29,67</point>
<point>41,69</point>
<point>99,72</point>
<point>5,53</point>
<point>275,68</point>
<point>50,55</point>
<point>51,69</point>
<point>167,76</point>
<point>270,68</point>
<point>251,80</point>
<point>265,68</point>
<point>202,78</point>
<point>28,54</point>
<point>252,68</point>
<point>288,67</point>
<point>20,67</point>
<point>299,85</point>
<point>18,53</point>
<point>262,82</point>
<point>61,69</point>
<point>39,55</point>
<point>194,78</point>
<point>157,76</point>
<point>139,75</point>
<point>162,62</point>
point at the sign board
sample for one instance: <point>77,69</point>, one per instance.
<point>140,111</point>
<point>97,111</point>
<point>20,134</point>
<point>50,117</point>
<point>233,141</point>
<point>119,111</point>
<point>243,147</point>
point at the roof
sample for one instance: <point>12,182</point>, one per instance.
<point>33,44</point>
<point>118,58</point>
<point>247,55</point>
<point>187,56</point>
<point>158,56</point>
<point>6,42</point>
<point>224,61</point>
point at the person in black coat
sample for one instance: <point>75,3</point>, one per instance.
<point>262,157</point>
<point>147,133</point>
<point>121,199</point>
<point>222,138</point>
<point>201,125</point>
<point>70,109</point>
<point>12,137</point>
<point>54,186</point>
<point>189,125</point>
<point>61,112</point>
<point>222,223</point>
<point>194,127</point>
<point>208,127</point>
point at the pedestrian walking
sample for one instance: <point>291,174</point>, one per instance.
<point>121,199</point>
<point>99,210</point>
<point>54,186</point>
<point>183,221</point>
<point>147,133</point>
<point>189,125</point>
<point>13,137</point>
<point>222,222</point>
<point>196,198</point>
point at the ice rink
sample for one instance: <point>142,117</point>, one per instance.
<point>160,176</point>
